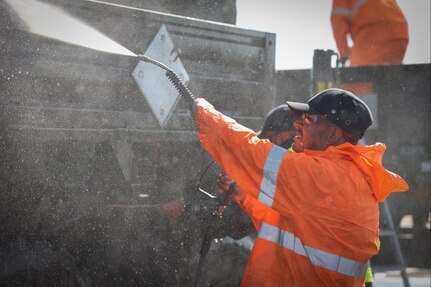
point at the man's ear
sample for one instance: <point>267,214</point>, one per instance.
<point>336,135</point>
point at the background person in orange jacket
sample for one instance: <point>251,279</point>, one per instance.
<point>325,225</point>
<point>278,126</point>
<point>377,28</point>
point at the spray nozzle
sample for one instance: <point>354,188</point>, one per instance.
<point>154,62</point>
<point>173,77</point>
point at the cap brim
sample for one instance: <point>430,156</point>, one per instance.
<point>298,107</point>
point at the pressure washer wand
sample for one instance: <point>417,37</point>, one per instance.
<point>179,85</point>
<point>211,233</point>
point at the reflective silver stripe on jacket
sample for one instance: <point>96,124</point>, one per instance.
<point>349,12</point>
<point>270,173</point>
<point>317,257</point>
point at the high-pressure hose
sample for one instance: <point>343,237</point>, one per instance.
<point>212,232</point>
<point>179,85</point>
<point>213,227</point>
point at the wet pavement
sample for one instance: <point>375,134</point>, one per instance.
<point>417,278</point>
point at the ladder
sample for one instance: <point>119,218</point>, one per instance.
<point>390,232</point>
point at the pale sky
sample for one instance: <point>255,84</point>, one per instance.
<point>301,26</point>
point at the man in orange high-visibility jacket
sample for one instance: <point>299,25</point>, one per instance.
<point>377,28</point>
<point>279,129</point>
<point>326,197</point>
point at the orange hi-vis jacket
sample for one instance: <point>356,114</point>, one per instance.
<point>324,225</point>
<point>378,29</point>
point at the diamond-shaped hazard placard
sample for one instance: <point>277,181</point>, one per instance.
<point>159,92</point>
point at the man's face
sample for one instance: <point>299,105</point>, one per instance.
<point>313,132</point>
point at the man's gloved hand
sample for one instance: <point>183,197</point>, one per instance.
<point>224,184</point>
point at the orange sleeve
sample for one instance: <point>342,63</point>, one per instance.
<point>341,26</point>
<point>254,209</point>
<point>229,144</point>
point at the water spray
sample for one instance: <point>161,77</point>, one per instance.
<point>43,19</point>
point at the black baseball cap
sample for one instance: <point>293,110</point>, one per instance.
<point>278,119</point>
<point>341,107</point>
